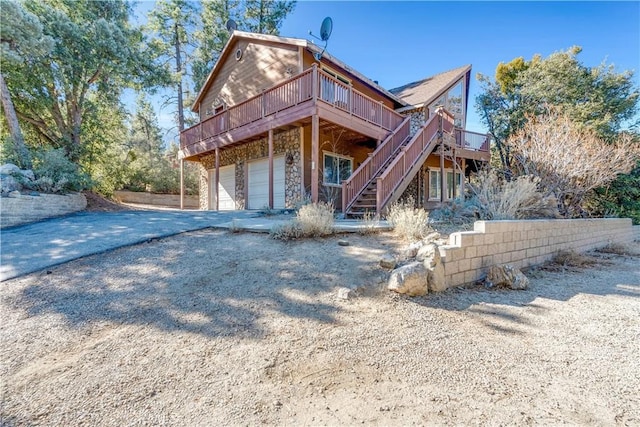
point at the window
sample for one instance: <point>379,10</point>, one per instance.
<point>434,184</point>
<point>336,168</point>
<point>454,184</point>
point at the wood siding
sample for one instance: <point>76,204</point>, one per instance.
<point>261,67</point>
<point>309,60</point>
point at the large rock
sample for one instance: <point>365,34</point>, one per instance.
<point>12,178</point>
<point>9,169</point>
<point>8,184</point>
<point>388,261</point>
<point>435,271</point>
<point>507,276</point>
<point>426,251</point>
<point>411,279</point>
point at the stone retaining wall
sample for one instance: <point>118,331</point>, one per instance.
<point>21,209</point>
<point>166,200</point>
<point>525,243</point>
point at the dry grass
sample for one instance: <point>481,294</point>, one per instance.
<point>571,260</point>
<point>408,222</point>
<point>313,220</point>
<point>617,249</point>
<point>370,223</point>
<point>517,199</point>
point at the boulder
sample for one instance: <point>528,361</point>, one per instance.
<point>412,250</point>
<point>435,272</point>
<point>506,276</point>
<point>8,184</point>
<point>9,169</point>
<point>411,279</point>
<point>388,261</point>
<point>426,251</point>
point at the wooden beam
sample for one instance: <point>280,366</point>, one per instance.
<point>463,166</point>
<point>315,155</point>
<point>181,184</point>
<point>217,181</point>
<point>301,165</point>
<point>270,141</point>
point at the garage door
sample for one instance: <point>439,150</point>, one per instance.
<point>259,183</point>
<point>227,188</point>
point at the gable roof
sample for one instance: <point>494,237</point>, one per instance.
<point>425,91</point>
<point>256,37</point>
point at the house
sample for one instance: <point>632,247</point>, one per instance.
<point>281,120</point>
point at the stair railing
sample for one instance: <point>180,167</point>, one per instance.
<point>410,155</point>
<point>361,177</point>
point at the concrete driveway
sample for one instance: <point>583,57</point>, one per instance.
<point>36,246</point>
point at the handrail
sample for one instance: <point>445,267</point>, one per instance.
<point>353,186</point>
<point>471,140</point>
<point>288,93</point>
<point>405,161</point>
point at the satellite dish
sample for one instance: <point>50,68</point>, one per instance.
<point>325,33</point>
<point>231,25</point>
<point>326,28</point>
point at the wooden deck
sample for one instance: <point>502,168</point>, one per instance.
<point>312,93</point>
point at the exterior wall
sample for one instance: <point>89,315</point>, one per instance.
<point>22,209</point>
<point>287,143</point>
<point>524,243</point>
<point>261,66</point>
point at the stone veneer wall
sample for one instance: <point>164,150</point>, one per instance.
<point>416,188</point>
<point>525,243</point>
<point>287,142</point>
<point>22,209</point>
<point>418,120</point>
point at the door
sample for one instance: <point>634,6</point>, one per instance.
<point>227,188</point>
<point>258,191</point>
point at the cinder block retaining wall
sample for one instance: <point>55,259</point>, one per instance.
<point>525,243</point>
<point>166,200</point>
<point>24,209</point>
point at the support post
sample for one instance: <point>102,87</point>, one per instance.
<point>464,177</point>
<point>181,184</point>
<point>315,155</point>
<point>270,141</point>
<point>216,191</point>
<point>441,140</point>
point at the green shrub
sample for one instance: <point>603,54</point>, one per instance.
<point>55,173</point>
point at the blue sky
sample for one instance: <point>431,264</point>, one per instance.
<point>400,42</point>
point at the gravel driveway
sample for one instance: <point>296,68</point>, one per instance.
<point>212,328</point>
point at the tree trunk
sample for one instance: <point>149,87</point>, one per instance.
<point>179,71</point>
<point>24,158</point>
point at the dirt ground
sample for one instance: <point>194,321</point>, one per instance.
<point>213,328</point>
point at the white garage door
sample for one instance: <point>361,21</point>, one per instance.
<point>227,188</point>
<point>259,183</point>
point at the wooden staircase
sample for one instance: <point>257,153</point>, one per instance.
<point>388,171</point>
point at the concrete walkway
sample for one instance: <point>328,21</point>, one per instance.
<point>34,247</point>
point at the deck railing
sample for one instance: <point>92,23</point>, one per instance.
<point>311,83</point>
<point>472,140</point>
<point>360,178</point>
